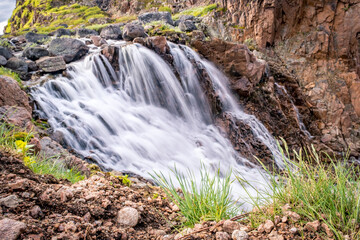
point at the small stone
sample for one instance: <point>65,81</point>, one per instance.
<point>230,226</point>
<point>87,217</point>
<point>275,236</point>
<point>239,235</point>
<point>11,201</point>
<point>51,64</point>
<point>3,61</point>
<point>11,229</point>
<point>286,207</point>
<point>261,228</point>
<point>268,226</point>
<point>293,230</point>
<point>21,184</point>
<point>293,215</point>
<point>128,216</point>
<point>312,226</point>
<point>328,231</point>
<point>222,236</point>
<point>284,219</point>
<point>277,220</point>
<point>175,208</point>
<point>36,212</point>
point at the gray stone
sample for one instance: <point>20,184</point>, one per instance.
<point>132,31</point>
<point>11,201</point>
<point>70,49</point>
<point>36,38</point>
<point>11,229</point>
<point>5,52</point>
<point>36,212</point>
<point>34,53</point>
<point>222,236</point>
<point>186,18</point>
<point>84,32</point>
<point>187,26</point>
<point>111,32</point>
<point>31,66</point>
<point>3,61</point>
<point>239,235</point>
<point>51,64</point>
<point>62,32</point>
<point>156,16</point>
<point>19,66</point>
<point>128,217</point>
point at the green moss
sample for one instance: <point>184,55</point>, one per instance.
<point>197,11</point>
<point>165,9</point>
<point>126,18</point>
<point>7,72</point>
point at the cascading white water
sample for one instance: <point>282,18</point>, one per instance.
<point>143,118</point>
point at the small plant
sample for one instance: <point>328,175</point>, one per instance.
<point>316,190</point>
<point>250,43</point>
<point>14,139</point>
<point>7,72</point>
<point>125,180</point>
<point>208,200</point>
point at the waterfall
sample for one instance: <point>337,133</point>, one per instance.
<point>142,118</point>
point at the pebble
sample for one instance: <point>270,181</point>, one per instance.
<point>128,217</point>
<point>268,226</point>
<point>11,229</point>
<point>11,201</point>
<point>222,236</point>
<point>239,235</point>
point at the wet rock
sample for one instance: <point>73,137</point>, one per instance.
<point>5,52</point>
<point>111,32</point>
<point>158,44</point>
<point>3,61</point>
<point>35,212</point>
<point>112,54</point>
<point>34,53</point>
<point>230,226</point>
<point>36,38</point>
<point>84,32</point>
<point>98,41</point>
<point>70,49</point>
<point>19,66</point>
<point>11,201</point>
<point>187,26</point>
<point>128,217</point>
<point>268,226</point>
<point>132,31</point>
<point>62,32</point>
<point>239,235</point>
<point>51,64</point>
<point>11,229</point>
<point>312,226</point>
<point>31,66</point>
<point>156,16</point>
<point>222,236</point>
<point>12,95</point>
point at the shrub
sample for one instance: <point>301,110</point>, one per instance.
<point>316,190</point>
<point>207,201</point>
<point>16,140</point>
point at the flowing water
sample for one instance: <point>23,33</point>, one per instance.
<point>143,118</point>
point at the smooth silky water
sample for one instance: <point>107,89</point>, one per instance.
<point>143,119</point>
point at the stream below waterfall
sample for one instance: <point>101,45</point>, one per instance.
<point>143,118</point>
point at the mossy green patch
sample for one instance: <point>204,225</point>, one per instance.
<point>197,11</point>
<point>7,72</point>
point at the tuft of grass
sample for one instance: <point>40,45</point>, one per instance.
<point>7,72</point>
<point>16,140</point>
<point>316,190</point>
<point>208,200</point>
<point>164,9</point>
<point>197,11</point>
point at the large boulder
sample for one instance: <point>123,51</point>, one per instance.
<point>18,116</point>
<point>11,229</point>
<point>62,32</point>
<point>19,66</point>
<point>187,26</point>
<point>84,32</point>
<point>5,52</point>
<point>36,38</point>
<point>51,64</point>
<point>3,61</point>
<point>156,16</point>
<point>12,95</point>
<point>132,31</point>
<point>111,32</point>
<point>34,53</point>
<point>70,49</point>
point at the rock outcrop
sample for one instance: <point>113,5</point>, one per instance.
<point>70,49</point>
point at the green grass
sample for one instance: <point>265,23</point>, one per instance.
<point>17,141</point>
<point>197,11</point>
<point>208,200</point>
<point>7,72</point>
<point>318,187</point>
<point>164,9</point>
